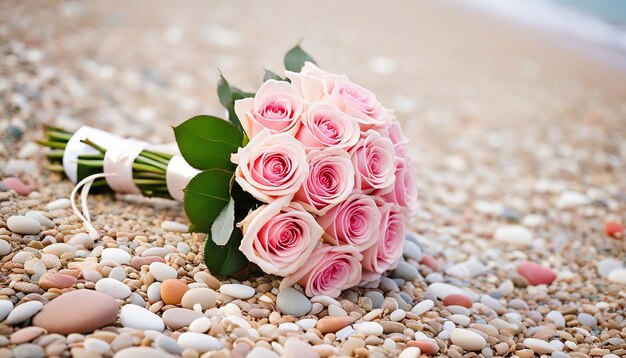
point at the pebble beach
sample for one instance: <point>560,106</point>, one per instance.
<point>517,248</point>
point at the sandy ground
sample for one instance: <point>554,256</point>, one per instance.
<point>504,121</point>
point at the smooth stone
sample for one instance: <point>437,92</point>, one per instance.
<point>333,324</point>
<point>538,346</point>
<point>430,262</point>
<point>118,273</point>
<point>172,291</point>
<point>513,235</point>
<point>154,292</point>
<point>369,328</point>
<point>460,319</point>
<point>141,352</point>
<point>62,203</point>
<point>607,265</point>
<point>294,347</point>
<point>116,255</point>
<point>261,352</point>
<point>344,333</point>
<point>376,297</point>
<point>423,307</point>
<point>40,217</point>
<point>467,339</point>
<point>557,318</point>
<point>56,280</point>
<point>82,239</point>
<point>467,269</point>
<point>200,325</point>
<point>58,249</point>
<point>5,247</point>
<point>24,311</point>
<point>506,288</point>
<point>156,251</point>
<point>427,345</point>
<point>492,303</point>
<point>536,274</point>
<point>23,225</point>
<point>205,297</point>
<point>168,344</point>
<point>26,335</point>
<point>138,261</point>
<point>113,288</point>
<point>412,251</point>
<point>410,352</point>
<point>456,299</point>
<point>388,285</point>
<point>28,350</point>
<point>137,317</point>
<point>441,290</point>
<point>405,271</point>
<point>237,291</point>
<point>177,318</point>
<point>136,299</point>
<point>292,302</point>
<point>618,276</point>
<point>198,342</point>
<point>23,188</point>
<point>174,226</point>
<point>570,199</point>
<point>68,313</point>
<point>587,320</point>
<point>397,315</point>
<point>6,307</point>
<point>162,272</point>
<point>96,345</point>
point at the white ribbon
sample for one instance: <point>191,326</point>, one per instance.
<point>84,215</point>
<point>119,159</point>
<point>178,175</point>
<point>75,148</point>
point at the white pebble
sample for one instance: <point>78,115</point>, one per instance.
<point>198,342</point>
<point>618,276</point>
<point>514,235</point>
<point>59,204</point>
<point>369,328</point>
<point>5,247</point>
<point>460,319</point>
<point>422,307</point>
<point>570,199</point>
<point>137,317</point>
<point>174,226</point>
<point>113,288</point>
<point>96,345</point>
<point>441,290</point>
<point>117,255</point>
<point>344,333</point>
<point>288,326</point>
<point>467,339</point>
<point>410,352</point>
<point>237,291</point>
<point>397,315</point>
<point>200,325</point>
<point>83,239</point>
<point>557,318</point>
<point>336,311</point>
<point>23,225</point>
<point>40,217</point>
<point>24,311</point>
<point>538,346</point>
<point>58,249</point>
<point>6,307</point>
<point>161,271</point>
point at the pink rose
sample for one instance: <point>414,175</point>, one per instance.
<point>374,160</point>
<point>359,103</point>
<point>330,180</point>
<point>312,83</point>
<point>328,271</point>
<point>323,125</point>
<point>395,134</point>
<point>404,191</point>
<point>385,254</point>
<point>276,106</point>
<point>279,239</point>
<point>355,222</point>
<point>271,166</point>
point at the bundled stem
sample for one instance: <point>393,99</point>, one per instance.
<point>149,167</point>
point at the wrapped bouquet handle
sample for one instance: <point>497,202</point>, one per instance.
<point>310,178</point>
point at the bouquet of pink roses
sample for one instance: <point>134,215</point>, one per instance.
<point>311,179</point>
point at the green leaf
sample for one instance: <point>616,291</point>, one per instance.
<point>206,195</point>
<point>225,260</point>
<point>223,225</point>
<point>271,75</point>
<point>295,59</point>
<point>207,142</point>
<point>227,95</point>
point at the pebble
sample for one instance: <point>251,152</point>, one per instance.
<point>172,291</point>
<point>467,269</point>
<point>614,230</point>
<point>292,302</point>
<point>56,280</point>
<point>570,199</point>
<point>174,226</point>
<point>618,276</point>
<point>68,313</point>
<point>200,325</point>
<point>412,251</point>
<point>426,345</point>
<point>96,345</point>
<point>177,318</point>
<point>154,292</point>
<point>28,350</point>
<point>205,297</point>
<point>24,311</point>
<point>376,297</point>
<point>168,344</point>
<point>141,352</point>
<point>467,339</point>
<point>294,347</point>
<point>587,320</point>
<point>397,315</point>
<point>369,328</point>
<point>138,261</point>
<point>162,272</point>
<point>405,271</point>
<point>333,324</point>
<point>116,255</point>
<point>113,288</point>
<point>410,352</point>
<point>423,307</point>
<point>23,188</point>
<point>515,235</point>
<point>460,319</point>
<point>6,307</point>
<point>40,217</point>
<point>607,265</point>
<point>62,203</point>
<point>538,346</point>
<point>261,352</point>
<point>441,290</point>
<point>58,249</point>
<point>536,274</point>
<point>199,342</point>
<point>82,239</point>
<point>137,317</point>
<point>5,247</point>
<point>456,299</point>
<point>118,273</point>
<point>26,335</point>
<point>344,333</point>
<point>237,291</point>
<point>23,225</point>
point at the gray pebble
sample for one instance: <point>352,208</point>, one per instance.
<point>587,320</point>
<point>412,251</point>
<point>388,285</point>
<point>376,297</point>
<point>28,350</point>
<point>168,344</point>
<point>405,271</point>
<point>292,302</point>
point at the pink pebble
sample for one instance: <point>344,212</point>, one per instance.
<point>426,346</point>
<point>138,261</point>
<point>430,262</point>
<point>536,274</point>
<point>455,299</point>
<point>22,188</point>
